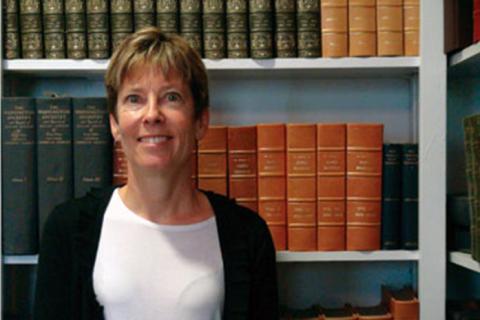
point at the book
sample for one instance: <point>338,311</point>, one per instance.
<point>362,28</point>
<point>391,195</point>
<point>272,190</point>
<point>331,144</point>
<point>144,14</point>
<point>261,28</point>
<point>31,33</point>
<point>119,164</point>
<point>53,15</point>
<point>92,145</point>
<point>476,21</point>
<point>237,28</point>
<point>214,29</point>
<point>409,196</point>
<point>458,27</point>
<point>18,291</point>
<point>471,125</point>
<point>411,26</point>
<point>402,303</point>
<point>212,160</point>
<point>364,185</point>
<point>19,198</point>
<point>76,29</point>
<point>301,187</point>
<point>98,40</point>
<point>242,165</point>
<point>54,154</point>
<point>285,29</point>
<point>390,27</point>
<point>458,210</point>
<point>191,24</point>
<point>308,28</point>
<point>121,21</point>
<point>11,34</point>
<point>334,24</point>
<point>167,16</point>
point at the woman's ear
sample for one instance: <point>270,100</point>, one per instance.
<point>114,128</point>
<point>202,124</point>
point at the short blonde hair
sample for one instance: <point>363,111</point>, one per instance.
<point>150,47</point>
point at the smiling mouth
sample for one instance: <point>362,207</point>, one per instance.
<point>157,139</point>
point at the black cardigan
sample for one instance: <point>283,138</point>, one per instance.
<point>70,241</point>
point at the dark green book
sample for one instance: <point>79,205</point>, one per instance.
<point>409,196</point>
<point>18,291</point>
<point>144,14</point>
<point>167,16</point>
<point>191,23</point>
<point>19,205</point>
<point>31,29</point>
<point>214,29</point>
<point>391,195</point>
<point>53,29</point>
<point>76,29</point>
<point>121,21</point>
<point>54,154</point>
<point>98,40</point>
<point>475,158</point>
<point>285,29</point>
<point>261,28</point>
<point>468,129</point>
<point>92,145</point>
<point>237,28</point>
<point>11,30</point>
<point>308,28</point>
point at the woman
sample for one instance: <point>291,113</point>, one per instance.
<point>156,248</point>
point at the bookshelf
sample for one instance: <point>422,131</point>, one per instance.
<point>397,91</point>
<point>464,260</point>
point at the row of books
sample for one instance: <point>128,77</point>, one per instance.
<point>397,304</point>
<point>78,29</point>
<point>462,24</point>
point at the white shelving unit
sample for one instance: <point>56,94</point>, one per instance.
<point>464,260</point>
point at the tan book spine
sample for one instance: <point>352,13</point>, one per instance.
<point>364,185</point>
<point>301,187</point>
<point>331,143</point>
<point>271,168</point>
<point>411,20</point>
<point>362,28</point>
<point>212,160</point>
<point>242,164</point>
<point>334,22</point>
<point>390,27</point>
<point>120,165</point>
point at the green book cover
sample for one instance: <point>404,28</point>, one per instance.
<point>285,29</point>
<point>409,196</point>
<point>475,147</point>
<point>121,20</point>
<point>76,29</point>
<point>98,41</point>
<point>237,28</point>
<point>53,29</point>
<point>11,32</point>
<point>191,23</point>
<point>144,14</point>
<point>214,29</point>
<point>31,29</point>
<point>261,28</point>
<point>468,129</point>
<point>308,28</point>
<point>167,16</point>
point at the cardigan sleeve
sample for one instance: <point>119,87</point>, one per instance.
<point>53,294</point>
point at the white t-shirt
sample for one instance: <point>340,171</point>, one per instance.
<point>147,271</point>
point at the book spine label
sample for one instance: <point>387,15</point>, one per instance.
<point>237,28</point>
<point>285,29</point>
<point>191,24</point>
<point>92,148</point>
<point>411,25</point>
<point>261,28</point>
<point>19,210</point>
<point>120,165</point>
<point>31,29</point>
<point>410,196</point>
<point>167,16</point>
<point>212,160</point>
<point>121,21</point>
<point>362,29</point>
<point>214,29</point>
<point>54,152</point>
<point>54,29</point>
<point>97,29</point>
<point>334,29</point>
<point>308,28</point>
<point>76,29</point>
<point>144,14</point>
<point>11,33</point>
<point>390,29</point>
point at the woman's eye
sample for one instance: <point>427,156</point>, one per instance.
<point>133,98</point>
<point>173,97</point>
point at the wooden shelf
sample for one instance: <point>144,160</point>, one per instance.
<point>465,260</point>
<point>465,62</point>
<point>387,255</point>
<point>27,259</point>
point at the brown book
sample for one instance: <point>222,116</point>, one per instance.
<point>334,28</point>
<point>411,22</point>
<point>331,142</point>
<point>120,165</point>
<point>301,187</point>
<point>212,160</point>
<point>242,165</point>
<point>362,26</point>
<point>272,181</point>
<point>402,303</point>
<point>364,185</point>
<point>390,27</point>
<point>458,26</point>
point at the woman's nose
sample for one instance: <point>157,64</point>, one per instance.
<point>154,112</point>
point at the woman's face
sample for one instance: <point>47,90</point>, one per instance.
<point>155,121</point>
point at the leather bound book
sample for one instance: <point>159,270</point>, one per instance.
<point>261,28</point>
<point>301,187</point>
<point>237,28</point>
<point>53,29</point>
<point>120,165</point>
<point>76,29</point>
<point>272,190</point>
<point>212,160</point>
<point>121,21</point>
<point>402,303</point>
<point>98,29</point>
<point>476,21</point>
<point>214,29</point>
<point>19,198</point>
<point>191,23</point>
<point>242,165</point>
<point>285,29</point>
<point>390,27</point>
<point>11,34</point>
<point>334,28</point>
<point>167,16</point>
<point>362,26</point>
<point>143,14</point>
<point>458,26</point>
<point>331,143</point>
<point>411,26</point>
<point>308,28</point>
<point>31,29</point>
<point>409,196</point>
<point>364,185</point>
